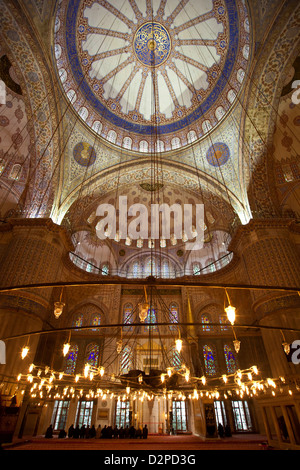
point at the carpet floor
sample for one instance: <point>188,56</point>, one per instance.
<point>153,443</point>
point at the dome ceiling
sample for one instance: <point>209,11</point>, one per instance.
<point>152,75</point>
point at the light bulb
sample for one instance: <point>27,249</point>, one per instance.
<point>24,351</point>
<point>66,348</point>
<point>162,378</point>
<point>169,371</point>
<point>178,343</point>
<point>86,370</point>
<point>101,371</point>
<point>230,313</point>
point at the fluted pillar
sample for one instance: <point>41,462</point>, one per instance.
<point>269,255</point>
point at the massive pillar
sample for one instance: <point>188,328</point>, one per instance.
<point>31,253</point>
<point>269,254</point>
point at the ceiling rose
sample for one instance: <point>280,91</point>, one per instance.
<point>152,75</point>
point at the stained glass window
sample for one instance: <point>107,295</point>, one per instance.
<point>126,361</point>
<point>223,322</point>
<point>127,316</point>
<point>78,320</point>
<point>105,269</point>
<point>173,316</point>
<point>96,321</point>
<point>92,355</point>
<point>209,360</point>
<point>196,268</point>
<point>150,268</point>
<point>205,320</point>
<point>230,359</point>
<point>165,272</point>
<point>151,318</point>
<point>136,269</point>
<point>176,359</point>
<point>71,359</point>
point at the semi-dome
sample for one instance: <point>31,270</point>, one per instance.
<point>152,79</point>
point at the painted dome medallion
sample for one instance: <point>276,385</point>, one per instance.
<point>152,75</point>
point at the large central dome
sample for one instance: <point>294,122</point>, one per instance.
<point>152,75</point>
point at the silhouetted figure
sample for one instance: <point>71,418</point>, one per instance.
<point>104,432</point>
<point>227,431</point>
<point>109,432</point>
<point>220,430</point>
<point>121,433</point>
<point>98,432</point>
<point>132,432</point>
<point>82,432</point>
<point>76,432</point>
<point>92,432</point>
<point>49,432</point>
<point>62,434</point>
<point>116,432</point>
<point>71,431</point>
<point>145,432</point>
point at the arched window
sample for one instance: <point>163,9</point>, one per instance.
<point>136,269</point>
<point>173,315</point>
<point>105,269</point>
<point>15,172</point>
<point>126,360</point>
<point>78,320</point>
<point>230,359</point>
<point>175,142</point>
<point>96,321</point>
<point>71,359</point>
<point>209,360</point>
<point>2,165</point>
<point>191,136</point>
<point>127,143</point>
<point>150,267</point>
<point>92,355</point>
<point>127,316</point>
<point>223,322</point>
<point>151,318</point>
<point>196,268</point>
<point>165,271</point>
<point>176,359</point>
<point>205,320</point>
<point>144,146</point>
<point>112,136</point>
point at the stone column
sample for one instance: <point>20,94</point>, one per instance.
<point>32,255</point>
<point>269,256</point>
